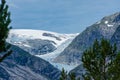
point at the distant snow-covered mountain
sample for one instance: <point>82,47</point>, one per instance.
<point>44,44</point>
<point>37,41</point>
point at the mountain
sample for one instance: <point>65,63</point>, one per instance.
<point>79,70</point>
<point>103,28</point>
<point>116,38</point>
<point>21,65</point>
<point>51,56</point>
<point>44,44</point>
<point>37,42</point>
<point>113,38</point>
<point>61,50</point>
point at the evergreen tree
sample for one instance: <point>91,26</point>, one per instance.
<point>4,30</point>
<point>63,75</point>
<point>101,61</point>
<point>72,76</point>
<point>114,71</point>
<point>78,78</point>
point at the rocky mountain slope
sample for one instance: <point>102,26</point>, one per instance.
<point>114,38</point>
<point>20,65</point>
<point>103,28</point>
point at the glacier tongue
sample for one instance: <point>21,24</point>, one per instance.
<point>66,67</point>
<point>51,56</point>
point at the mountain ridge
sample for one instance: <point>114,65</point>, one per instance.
<point>21,65</point>
<point>104,28</point>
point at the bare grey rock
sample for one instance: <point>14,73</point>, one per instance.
<point>20,65</point>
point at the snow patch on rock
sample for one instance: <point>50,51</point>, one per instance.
<point>106,22</point>
<point>109,25</point>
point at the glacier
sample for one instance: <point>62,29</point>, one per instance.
<point>51,56</point>
<point>21,38</point>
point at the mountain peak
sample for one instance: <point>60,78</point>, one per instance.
<point>112,18</point>
<point>117,17</point>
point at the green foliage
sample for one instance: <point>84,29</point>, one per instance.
<point>101,61</point>
<point>4,30</point>
<point>78,78</point>
<point>72,76</point>
<point>114,70</point>
<point>63,75</point>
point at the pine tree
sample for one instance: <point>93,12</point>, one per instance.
<point>78,78</point>
<point>101,61</point>
<point>114,71</point>
<point>72,76</point>
<point>4,30</point>
<point>63,75</point>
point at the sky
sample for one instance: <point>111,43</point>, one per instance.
<point>62,16</point>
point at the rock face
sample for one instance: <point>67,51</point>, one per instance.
<point>104,28</point>
<point>20,65</point>
<point>116,38</point>
<point>51,35</point>
<point>38,46</point>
